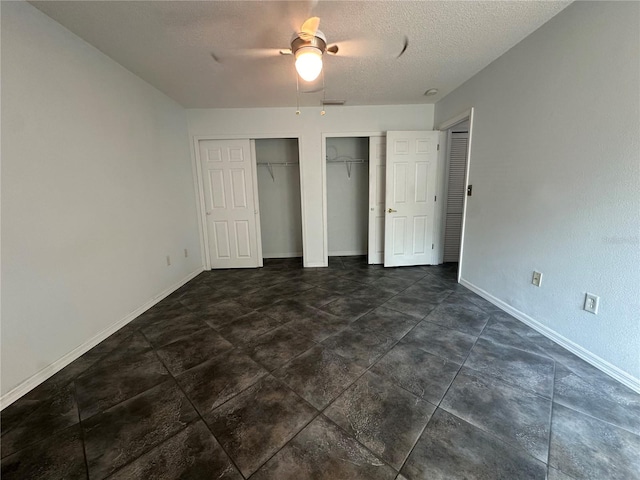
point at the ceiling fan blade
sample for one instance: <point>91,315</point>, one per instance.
<point>333,49</point>
<point>247,54</point>
<point>313,90</point>
<point>366,47</point>
<point>309,28</point>
<point>404,47</point>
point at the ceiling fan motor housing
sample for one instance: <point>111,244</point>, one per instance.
<point>318,41</point>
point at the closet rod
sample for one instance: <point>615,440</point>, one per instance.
<point>283,164</point>
<point>348,163</point>
<point>270,166</point>
<point>355,160</point>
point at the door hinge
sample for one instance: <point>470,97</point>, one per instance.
<point>435,198</point>
<point>438,147</point>
<point>432,246</point>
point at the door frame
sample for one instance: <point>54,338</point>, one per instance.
<point>198,180</point>
<point>445,127</point>
<point>325,223</point>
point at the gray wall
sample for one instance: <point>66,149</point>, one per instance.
<point>556,178</point>
<point>97,189</point>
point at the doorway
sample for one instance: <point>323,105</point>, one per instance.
<point>347,177</point>
<point>279,201</point>
<point>414,166</point>
<point>455,183</point>
<point>230,205</point>
<point>458,141</point>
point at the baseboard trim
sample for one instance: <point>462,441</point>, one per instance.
<point>594,360</point>
<point>283,255</point>
<point>348,253</point>
<point>316,265</point>
<point>50,370</point>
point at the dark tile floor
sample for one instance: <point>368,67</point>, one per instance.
<point>349,372</point>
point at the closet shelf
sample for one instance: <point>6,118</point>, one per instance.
<point>348,161</point>
<point>270,166</point>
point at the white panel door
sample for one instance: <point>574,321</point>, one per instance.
<point>230,203</point>
<point>377,166</point>
<point>410,198</point>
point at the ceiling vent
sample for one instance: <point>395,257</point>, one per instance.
<point>333,102</point>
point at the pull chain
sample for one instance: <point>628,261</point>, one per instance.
<point>324,94</point>
<point>297,95</point>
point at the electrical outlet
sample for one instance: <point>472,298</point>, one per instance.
<point>537,279</point>
<point>591,303</point>
<point>168,261</point>
<point>186,253</point>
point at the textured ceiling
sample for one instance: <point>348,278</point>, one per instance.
<point>169,44</point>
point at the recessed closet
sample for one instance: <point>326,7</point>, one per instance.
<point>347,195</point>
<point>278,172</point>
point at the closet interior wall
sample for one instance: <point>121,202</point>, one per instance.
<point>347,195</point>
<point>279,197</point>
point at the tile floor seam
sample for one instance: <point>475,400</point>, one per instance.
<point>84,450</point>
<point>515,387</point>
<point>366,370</point>
<point>288,272</point>
<point>553,392</point>
<point>503,441</point>
<point>597,419</point>
<point>441,399</point>
<point>199,416</point>
<point>316,415</point>
<point>506,381</point>
<point>145,451</point>
<point>327,418</point>
<point>512,385</point>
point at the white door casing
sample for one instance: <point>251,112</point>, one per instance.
<point>410,198</point>
<point>230,204</point>
<point>377,167</point>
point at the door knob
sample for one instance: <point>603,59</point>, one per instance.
<point>209,213</point>
<point>391,210</point>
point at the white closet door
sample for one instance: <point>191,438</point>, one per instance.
<point>377,166</point>
<point>230,204</point>
<point>410,198</point>
<point>455,195</point>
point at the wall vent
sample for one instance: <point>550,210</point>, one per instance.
<point>333,102</point>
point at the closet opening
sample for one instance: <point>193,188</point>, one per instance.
<point>458,142</point>
<point>347,195</point>
<point>279,199</point>
<point>455,182</point>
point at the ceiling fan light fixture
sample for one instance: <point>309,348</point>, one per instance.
<point>309,63</point>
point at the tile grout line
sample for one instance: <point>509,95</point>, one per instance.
<point>443,395</point>
<point>84,448</point>
<point>321,411</point>
<point>286,273</point>
<point>199,415</point>
<point>553,394</point>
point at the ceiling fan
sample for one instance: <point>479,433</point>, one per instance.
<point>308,45</point>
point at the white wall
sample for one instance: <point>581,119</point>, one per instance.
<point>555,168</point>
<point>309,127</point>
<point>97,189</point>
<point>279,198</point>
<point>347,196</point>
